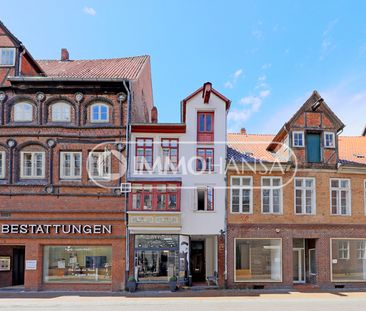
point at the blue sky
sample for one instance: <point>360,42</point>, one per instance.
<point>266,56</point>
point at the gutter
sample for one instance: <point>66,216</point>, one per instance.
<point>64,79</point>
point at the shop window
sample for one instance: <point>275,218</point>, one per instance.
<point>61,112</point>
<point>205,126</point>
<point>144,154</point>
<point>100,165</point>
<point>23,112</point>
<point>7,57</point>
<point>348,260</point>
<point>2,164</point>
<point>170,154</point>
<point>156,257</point>
<point>77,264</point>
<point>205,198</point>
<point>32,165</point>
<point>70,165</point>
<point>205,159</point>
<point>99,113</point>
<point>155,197</point>
<point>241,195</point>
<point>271,195</point>
<point>340,196</point>
<point>304,196</point>
<point>258,260</point>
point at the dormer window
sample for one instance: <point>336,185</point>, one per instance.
<point>61,112</point>
<point>298,139</point>
<point>329,141</point>
<point>7,57</point>
<point>23,112</point>
<point>99,113</point>
<point>205,126</point>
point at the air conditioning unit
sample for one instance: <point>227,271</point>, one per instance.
<point>125,187</point>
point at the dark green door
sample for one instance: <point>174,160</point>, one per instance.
<point>313,148</point>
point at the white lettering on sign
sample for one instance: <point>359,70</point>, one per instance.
<point>55,229</point>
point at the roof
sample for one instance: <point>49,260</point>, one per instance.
<point>352,149</point>
<point>115,68</point>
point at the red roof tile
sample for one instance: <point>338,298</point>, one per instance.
<point>114,68</point>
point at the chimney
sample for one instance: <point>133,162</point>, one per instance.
<point>64,55</point>
<point>154,115</point>
<point>243,131</point>
<point>207,87</point>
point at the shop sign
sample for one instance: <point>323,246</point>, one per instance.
<point>31,265</point>
<point>54,229</point>
<point>154,220</point>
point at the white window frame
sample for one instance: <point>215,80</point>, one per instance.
<point>303,139</point>
<point>21,114</point>
<point>240,188</point>
<point>98,120</point>
<point>361,250</point>
<point>205,188</point>
<point>61,105</point>
<point>72,164</point>
<point>2,164</point>
<point>7,65</point>
<point>348,199</point>
<point>342,249</point>
<point>325,140</point>
<point>312,272</point>
<point>34,165</point>
<point>303,189</point>
<point>271,188</point>
<point>100,175</point>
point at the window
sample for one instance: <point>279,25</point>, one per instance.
<point>23,112</point>
<point>144,154</point>
<point>205,199</point>
<point>298,139</point>
<point>304,195</point>
<point>32,164</point>
<point>99,164</point>
<point>205,159</point>
<point>312,261</point>
<point>156,257</point>
<point>77,264</point>
<point>7,56</point>
<point>205,126</point>
<point>271,195</point>
<point>241,195</point>
<point>329,141</point>
<point>99,113</point>
<point>155,197</point>
<point>258,260</point>
<point>2,164</point>
<point>340,197</point>
<point>361,250</point>
<point>70,167</point>
<point>170,154</point>
<point>348,260</point>
<point>61,112</point>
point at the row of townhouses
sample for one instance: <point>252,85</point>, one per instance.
<point>94,190</point>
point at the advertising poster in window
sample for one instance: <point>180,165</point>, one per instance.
<point>183,257</point>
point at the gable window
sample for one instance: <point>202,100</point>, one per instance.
<point>144,154</point>
<point>340,196</point>
<point>7,56</point>
<point>99,113</point>
<point>156,197</point>
<point>61,112</point>
<point>329,141</point>
<point>205,159</point>
<point>343,249</point>
<point>205,198</point>
<point>298,139</point>
<point>271,195</point>
<point>70,165</point>
<point>205,126</point>
<point>170,151</point>
<point>304,196</point>
<point>23,112</point>
<point>2,164</point>
<point>99,165</point>
<point>32,165</point>
<point>241,195</point>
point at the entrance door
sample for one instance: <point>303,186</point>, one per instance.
<point>313,147</point>
<point>18,266</point>
<point>299,265</point>
<point>198,261</point>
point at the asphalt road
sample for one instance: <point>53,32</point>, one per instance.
<point>266,302</point>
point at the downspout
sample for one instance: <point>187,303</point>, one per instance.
<point>127,261</point>
<point>226,211</point>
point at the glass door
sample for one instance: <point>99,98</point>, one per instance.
<point>298,265</point>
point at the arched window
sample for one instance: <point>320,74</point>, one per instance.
<point>23,112</point>
<point>61,112</point>
<point>99,113</point>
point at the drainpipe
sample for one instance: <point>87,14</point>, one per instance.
<point>129,100</point>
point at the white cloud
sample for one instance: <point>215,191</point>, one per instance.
<point>265,93</point>
<point>266,66</point>
<point>89,11</point>
<point>238,73</point>
<point>327,44</point>
<point>257,33</point>
<point>234,78</point>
